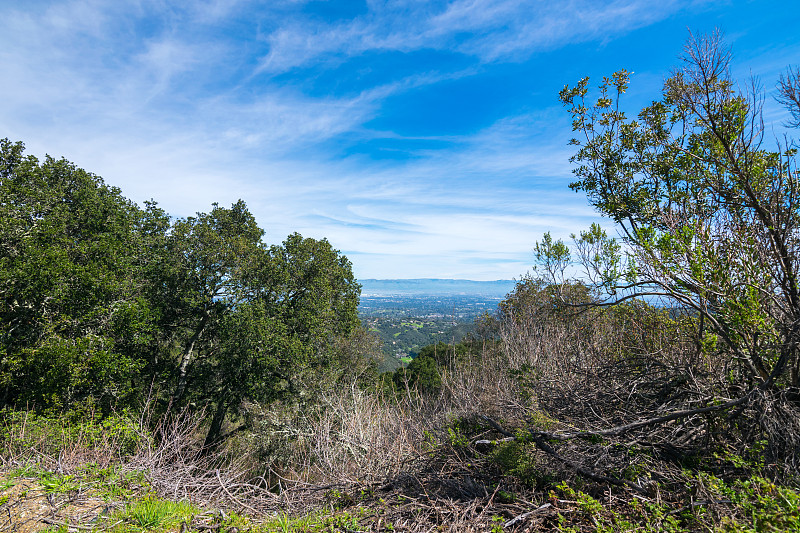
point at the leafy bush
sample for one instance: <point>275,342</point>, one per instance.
<point>23,433</point>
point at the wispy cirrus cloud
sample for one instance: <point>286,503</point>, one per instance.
<point>488,30</point>
<point>363,123</point>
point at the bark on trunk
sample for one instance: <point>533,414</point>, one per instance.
<point>214,432</point>
<point>186,358</point>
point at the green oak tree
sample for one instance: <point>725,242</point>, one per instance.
<point>103,302</point>
<point>302,302</point>
<point>211,269</point>
<point>69,300</point>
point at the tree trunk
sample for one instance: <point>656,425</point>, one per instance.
<point>186,358</point>
<point>214,432</point>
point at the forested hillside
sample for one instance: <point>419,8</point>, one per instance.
<point>180,374</point>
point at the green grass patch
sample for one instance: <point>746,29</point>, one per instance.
<point>153,514</point>
<point>58,484</point>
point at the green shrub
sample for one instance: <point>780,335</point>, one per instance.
<point>24,431</point>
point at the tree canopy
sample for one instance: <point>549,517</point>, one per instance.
<point>67,282</point>
<point>103,302</point>
<point>707,214</point>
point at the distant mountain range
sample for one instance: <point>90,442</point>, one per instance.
<point>435,287</point>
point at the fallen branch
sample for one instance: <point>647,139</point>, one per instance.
<point>540,438</point>
<point>583,471</point>
<point>620,430</point>
<point>523,516</point>
<point>76,526</point>
<point>234,498</point>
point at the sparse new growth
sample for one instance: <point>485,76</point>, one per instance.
<point>708,214</point>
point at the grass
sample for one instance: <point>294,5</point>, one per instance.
<point>58,484</point>
<point>154,514</point>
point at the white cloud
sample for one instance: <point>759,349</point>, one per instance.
<point>163,59</point>
<point>160,98</point>
<point>490,30</point>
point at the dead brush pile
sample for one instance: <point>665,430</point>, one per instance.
<point>585,416</point>
<point>614,414</point>
<point>555,419</point>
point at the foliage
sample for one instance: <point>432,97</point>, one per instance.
<point>150,513</point>
<point>424,372</point>
<point>708,217</point>
<point>764,505</point>
<point>103,303</point>
<point>23,431</point>
<point>67,297</point>
<point>518,459</point>
<point>214,258</point>
<point>304,300</point>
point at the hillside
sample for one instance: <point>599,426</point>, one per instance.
<point>409,314</point>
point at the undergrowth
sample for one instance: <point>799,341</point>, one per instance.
<point>502,445</point>
<point>725,492</point>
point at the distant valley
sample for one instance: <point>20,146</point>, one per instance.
<point>454,299</point>
<point>411,313</point>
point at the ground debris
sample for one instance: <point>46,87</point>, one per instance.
<point>27,506</point>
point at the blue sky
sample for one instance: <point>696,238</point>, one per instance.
<point>422,138</point>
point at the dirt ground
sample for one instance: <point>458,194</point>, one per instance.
<point>26,507</point>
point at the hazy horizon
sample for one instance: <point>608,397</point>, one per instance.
<point>435,279</point>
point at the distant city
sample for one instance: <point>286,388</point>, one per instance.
<point>408,314</point>
<point>455,299</point>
